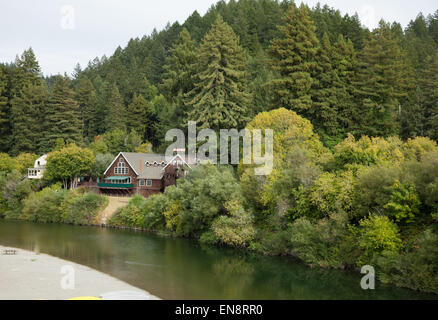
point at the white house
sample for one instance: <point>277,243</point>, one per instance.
<point>38,169</point>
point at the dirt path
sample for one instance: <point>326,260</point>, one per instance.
<point>114,203</point>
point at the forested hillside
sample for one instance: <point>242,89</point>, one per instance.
<point>354,114</point>
<point>322,64</point>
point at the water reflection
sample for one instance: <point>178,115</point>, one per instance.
<point>182,269</point>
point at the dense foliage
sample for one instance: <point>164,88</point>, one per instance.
<point>239,59</point>
<point>355,120</point>
<point>371,201</point>
<point>52,204</point>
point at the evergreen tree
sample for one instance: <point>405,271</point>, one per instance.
<point>345,62</point>
<point>28,97</point>
<point>219,98</point>
<point>178,77</point>
<point>26,72</point>
<point>4,110</point>
<point>137,113</point>
<point>62,116</point>
<point>325,92</point>
<point>293,57</point>
<point>103,90</point>
<point>382,84</point>
<point>432,22</point>
<point>28,112</point>
<point>88,107</point>
<point>77,71</point>
<point>195,25</point>
<point>429,96</point>
<point>116,112</point>
<point>259,74</point>
<point>413,118</point>
<point>419,43</point>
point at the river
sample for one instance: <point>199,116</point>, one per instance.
<point>182,269</point>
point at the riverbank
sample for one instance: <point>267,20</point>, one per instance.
<point>27,275</point>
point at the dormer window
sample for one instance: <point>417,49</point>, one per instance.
<point>147,164</point>
<point>163,163</point>
<point>155,163</point>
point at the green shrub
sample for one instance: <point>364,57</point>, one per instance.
<point>431,196</point>
<point>208,237</point>
<point>351,151</point>
<point>419,147</point>
<point>142,213</point>
<point>417,269</point>
<point>332,193</point>
<point>317,243</point>
<point>153,209</point>
<point>404,204</point>
<point>14,191</point>
<point>7,163</point>
<point>271,242</point>
<point>377,234</point>
<point>44,206</point>
<point>237,229</point>
<point>82,208</point>
<point>199,198</point>
<point>130,215</point>
<point>373,190</point>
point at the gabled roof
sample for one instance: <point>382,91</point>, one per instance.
<point>182,158</point>
<point>42,160</point>
<point>148,165</point>
<point>139,163</point>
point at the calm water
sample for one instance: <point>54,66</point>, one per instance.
<point>182,269</point>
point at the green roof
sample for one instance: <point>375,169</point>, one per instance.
<point>116,178</point>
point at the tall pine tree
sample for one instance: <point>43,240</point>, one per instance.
<point>293,58</point>
<point>137,114</point>
<point>26,71</point>
<point>344,60</point>
<point>4,110</point>
<point>178,77</point>
<point>219,98</point>
<point>325,90</point>
<point>28,102</point>
<point>62,116</point>
<point>88,108</point>
<point>28,113</point>
<point>382,84</point>
<point>116,112</point>
<point>429,96</point>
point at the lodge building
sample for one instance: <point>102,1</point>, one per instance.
<point>142,173</point>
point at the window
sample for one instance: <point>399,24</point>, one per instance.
<point>125,181</point>
<point>149,183</point>
<point>141,182</point>
<point>121,168</point>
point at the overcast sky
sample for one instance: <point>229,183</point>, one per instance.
<point>65,32</point>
